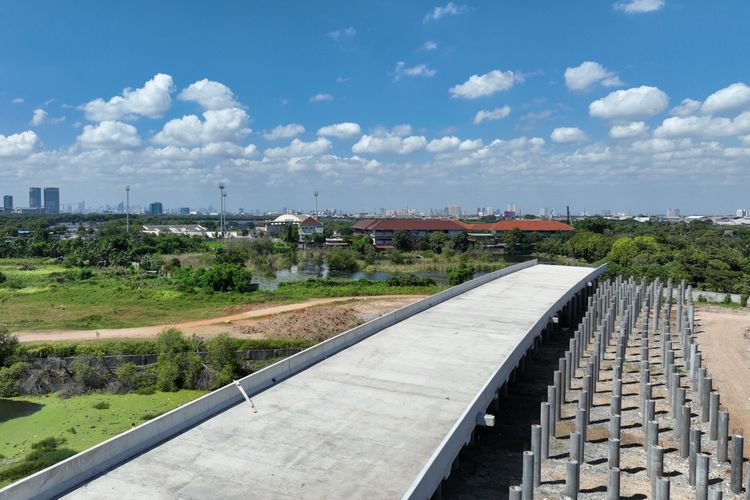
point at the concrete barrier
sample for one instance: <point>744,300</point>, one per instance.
<point>69,473</point>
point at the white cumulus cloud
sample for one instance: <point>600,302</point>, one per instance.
<point>589,73</point>
<point>151,100</point>
<point>686,108</point>
<point>631,103</point>
<point>439,12</point>
<point>378,144</point>
<point>493,114</point>
<point>284,132</point>
<point>298,148</point>
<point>422,70</point>
<point>429,46</point>
<point>17,145</point>
<point>39,117</point>
<point>210,95</point>
<point>704,126</point>
<point>639,6</point>
<point>484,85</point>
<point>633,129</point>
<point>109,135</point>
<point>322,97</point>
<point>224,125</point>
<point>569,135</point>
<point>736,96</point>
<point>340,130</point>
<point>447,143</point>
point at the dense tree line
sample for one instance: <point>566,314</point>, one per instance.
<point>707,256</point>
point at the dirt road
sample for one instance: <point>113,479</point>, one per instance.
<point>724,338</point>
<point>213,326</point>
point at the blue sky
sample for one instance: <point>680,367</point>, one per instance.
<point>387,104</point>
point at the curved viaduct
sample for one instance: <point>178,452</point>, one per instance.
<point>380,411</point>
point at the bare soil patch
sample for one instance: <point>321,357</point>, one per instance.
<point>724,338</point>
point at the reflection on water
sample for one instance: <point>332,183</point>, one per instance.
<point>307,271</point>
<point>13,409</point>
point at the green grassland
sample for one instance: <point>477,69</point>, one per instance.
<point>81,421</point>
<point>48,296</point>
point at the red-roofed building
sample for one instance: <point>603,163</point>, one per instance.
<point>381,230</point>
<point>526,225</point>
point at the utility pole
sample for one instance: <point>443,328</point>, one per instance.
<point>224,210</point>
<point>221,209</point>
<point>127,210</point>
<point>316,202</point>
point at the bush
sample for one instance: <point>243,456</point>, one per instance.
<point>219,278</point>
<point>43,454</point>
<point>8,345</point>
<point>410,280</point>
<point>743,300</point>
<point>341,260</point>
<point>167,373</point>
<point>101,405</point>
<point>126,375</point>
<point>464,272</point>
<point>10,379</point>
<point>727,299</point>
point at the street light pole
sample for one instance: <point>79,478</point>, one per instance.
<point>221,209</point>
<point>316,202</point>
<point>127,209</point>
<point>224,210</point>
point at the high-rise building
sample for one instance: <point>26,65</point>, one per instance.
<point>35,197</point>
<point>7,203</point>
<point>741,212</point>
<point>673,213</point>
<point>52,200</point>
<point>454,211</point>
<point>155,208</point>
<point>184,211</point>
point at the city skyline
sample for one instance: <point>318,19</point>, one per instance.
<point>396,104</point>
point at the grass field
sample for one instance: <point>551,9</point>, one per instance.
<point>50,296</point>
<point>76,419</point>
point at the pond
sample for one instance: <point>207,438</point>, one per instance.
<point>10,409</point>
<point>307,271</point>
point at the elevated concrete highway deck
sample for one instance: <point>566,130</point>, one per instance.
<point>383,417</point>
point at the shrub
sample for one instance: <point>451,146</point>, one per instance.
<point>727,299</point>
<point>126,375</point>
<point>743,300</point>
<point>101,405</point>
<point>8,345</point>
<point>167,373</point>
<point>410,280</point>
<point>10,379</point>
<point>464,272</point>
<point>341,260</point>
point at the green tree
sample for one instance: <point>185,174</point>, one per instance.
<point>402,241</point>
<point>437,241</point>
<point>341,260</point>
<point>513,241</point>
<point>464,272</point>
<point>8,345</point>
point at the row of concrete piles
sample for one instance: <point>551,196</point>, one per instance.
<point>628,337</point>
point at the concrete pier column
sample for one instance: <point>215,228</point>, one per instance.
<point>559,392</point>
<point>701,477</point>
<point>569,369</point>
<point>676,388</point>
<point>528,476</point>
<point>746,496</point>
<point>572,476</point>
<point>515,493</point>
<point>576,447</point>
<point>650,413</point>
<point>536,449</point>
<point>685,432</point>
<point>614,426</point>
<point>582,423</point>
<point>706,398</point>
<point>617,386</point>
<point>695,450</point>
<point>615,405</point>
<point>657,466</point>
<point>652,439</point>
<point>613,483</point>
<point>679,402</point>
<point>544,424</point>
<point>613,452</point>
<point>722,444</point>
<point>713,416</point>
<point>662,488</point>
<point>738,443</point>
<point>715,492</point>
<point>551,399</point>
